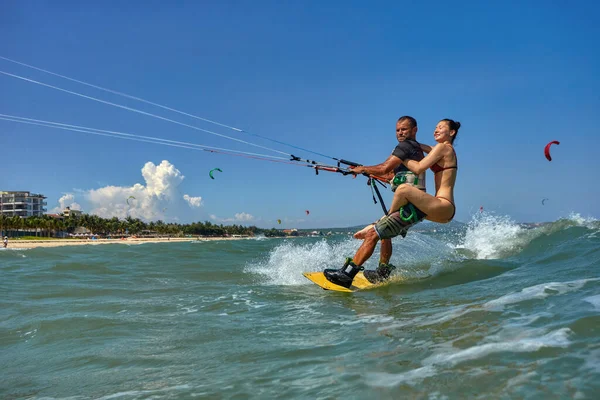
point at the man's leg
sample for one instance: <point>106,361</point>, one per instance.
<point>346,274</point>
<point>366,249</point>
<point>384,269</point>
<point>386,251</point>
<point>397,223</point>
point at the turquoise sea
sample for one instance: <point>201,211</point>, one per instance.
<point>488,309</point>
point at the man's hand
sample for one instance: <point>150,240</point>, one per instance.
<point>389,176</point>
<point>359,170</point>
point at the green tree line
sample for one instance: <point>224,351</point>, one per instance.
<point>50,226</point>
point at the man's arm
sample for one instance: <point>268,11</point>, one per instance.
<point>382,169</point>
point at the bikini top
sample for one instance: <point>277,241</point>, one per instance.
<point>437,168</point>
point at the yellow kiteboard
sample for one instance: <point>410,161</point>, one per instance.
<point>359,282</point>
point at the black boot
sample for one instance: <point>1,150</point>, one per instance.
<point>343,276</point>
<point>381,274</point>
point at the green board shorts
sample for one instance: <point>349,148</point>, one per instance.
<point>398,222</point>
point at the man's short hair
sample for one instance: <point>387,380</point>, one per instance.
<point>411,120</point>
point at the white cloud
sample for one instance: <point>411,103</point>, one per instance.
<point>193,201</point>
<point>152,199</point>
<point>239,217</point>
<point>68,200</point>
<point>161,180</point>
<point>244,217</point>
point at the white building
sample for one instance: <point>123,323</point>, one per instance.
<point>22,204</point>
<point>67,212</point>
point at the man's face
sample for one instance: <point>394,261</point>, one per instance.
<point>404,131</point>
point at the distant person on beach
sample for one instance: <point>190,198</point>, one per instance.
<point>5,242</point>
<point>394,169</point>
<point>410,205</point>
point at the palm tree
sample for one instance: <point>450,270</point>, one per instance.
<point>3,224</point>
<point>17,223</point>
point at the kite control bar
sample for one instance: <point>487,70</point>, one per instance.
<point>350,163</point>
<point>345,171</point>
<point>371,182</point>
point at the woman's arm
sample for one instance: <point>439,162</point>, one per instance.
<point>435,155</point>
<point>425,147</point>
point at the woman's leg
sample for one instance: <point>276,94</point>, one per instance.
<point>437,210</point>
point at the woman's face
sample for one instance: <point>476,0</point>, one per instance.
<point>442,132</point>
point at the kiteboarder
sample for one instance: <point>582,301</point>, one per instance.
<point>406,149</point>
<point>411,205</point>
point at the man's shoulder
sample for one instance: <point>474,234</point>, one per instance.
<point>408,144</point>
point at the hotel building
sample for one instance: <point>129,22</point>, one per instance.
<point>67,212</point>
<point>22,204</point>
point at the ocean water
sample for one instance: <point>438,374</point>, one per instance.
<point>487,309</point>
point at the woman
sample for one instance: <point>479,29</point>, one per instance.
<point>444,164</point>
<point>410,205</point>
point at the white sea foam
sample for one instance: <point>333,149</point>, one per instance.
<point>144,393</point>
<point>592,362</point>
<point>364,319</point>
<point>432,364</point>
<point>384,379</point>
<point>582,221</point>
<point>540,291</point>
<point>489,236</point>
<point>434,319</point>
<point>520,379</point>
<point>558,338</point>
<point>594,300</point>
<point>287,261</point>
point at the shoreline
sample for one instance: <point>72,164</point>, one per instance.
<point>30,244</point>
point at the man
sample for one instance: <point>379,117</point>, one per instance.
<point>407,149</point>
<point>5,241</point>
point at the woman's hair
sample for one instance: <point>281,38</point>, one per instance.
<point>453,125</point>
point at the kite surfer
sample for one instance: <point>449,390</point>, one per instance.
<point>406,149</point>
<point>411,205</point>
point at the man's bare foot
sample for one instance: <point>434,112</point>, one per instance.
<point>363,232</point>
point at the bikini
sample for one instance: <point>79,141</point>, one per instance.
<point>435,168</point>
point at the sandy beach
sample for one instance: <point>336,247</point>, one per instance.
<point>29,244</point>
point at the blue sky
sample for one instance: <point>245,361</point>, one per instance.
<point>331,77</point>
